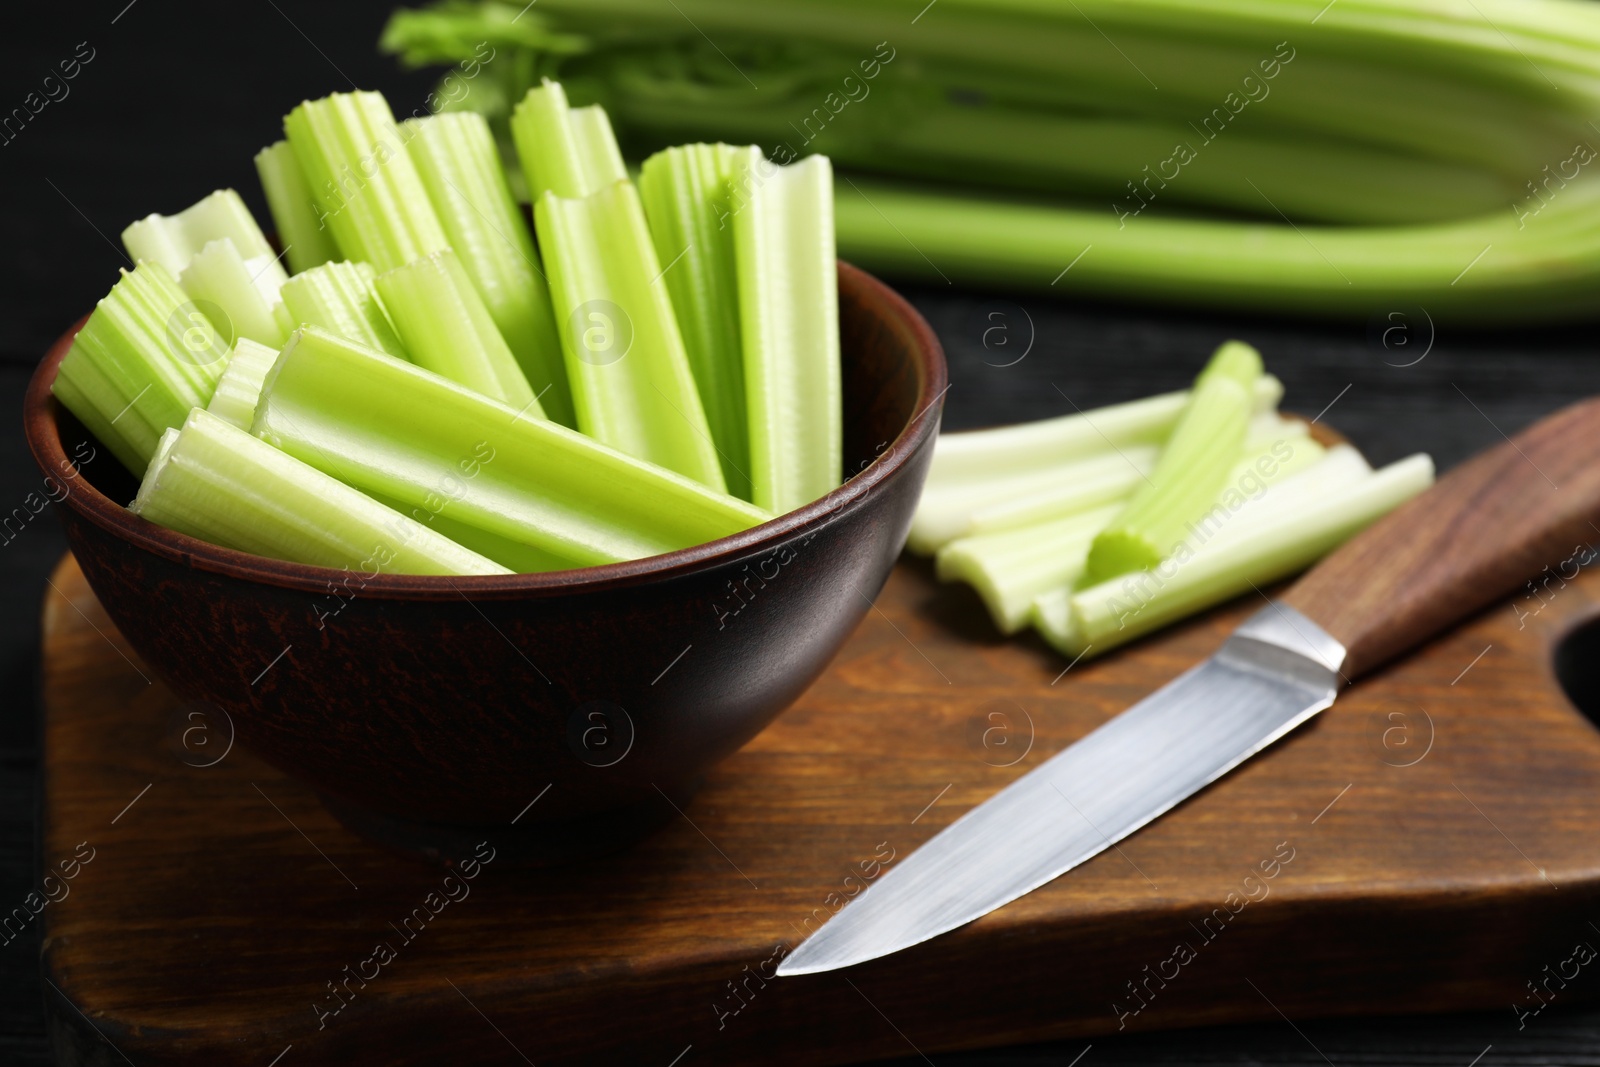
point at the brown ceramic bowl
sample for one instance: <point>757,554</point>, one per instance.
<point>429,712</point>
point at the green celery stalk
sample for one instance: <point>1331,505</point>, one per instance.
<point>1257,553</point>
<point>685,191</point>
<point>393,429</point>
<point>977,470</point>
<point>173,240</point>
<point>242,300</point>
<point>214,481</point>
<point>1193,467</point>
<point>458,162</point>
<point>789,322</point>
<point>239,388</point>
<point>1010,568</point>
<point>569,151</point>
<point>142,360</point>
<point>341,298</point>
<point>368,191</point>
<point>306,242</point>
<point>446,328</point>
<point>631,382</point>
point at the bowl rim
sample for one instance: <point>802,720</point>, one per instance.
<point>40,426</point>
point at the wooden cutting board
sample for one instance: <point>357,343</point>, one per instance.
<point>1429,843</point>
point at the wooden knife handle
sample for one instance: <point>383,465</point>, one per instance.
<point>1486,528</point>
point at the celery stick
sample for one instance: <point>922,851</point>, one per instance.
<point>173,240</point>
<point>973,456</point>
<point>1193,467</point>
<point>789,324</point>
<point>214,481</point>
<point>1010,568</point>
<point>630,377</point>
<point>520,557</point>
<point>340,297</point>
<point>367,189</point>
<point>144,358</point>
<point>1112,613</point>
<point>456,157</point>
<point>240,300</point>
<point>239,388</point>
<point>306,242</point>
<point>569,151</point>
<point>685,191</point>
<point>947,513</point>
<point>390,428</point>
<point>445,328</point>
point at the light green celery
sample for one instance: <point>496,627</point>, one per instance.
<point>566,150</point>
<point>1116,481</point>
<point>141,361</point>
<point>213,481</point>
<point>685,191</point>
<point>947,513</point>
<point>789,324</point>
<point>974,456</point>
<point>173,240</point>
<point>456,157</point>
<point>340,298</point>
<point>518,556</point>
<point>1050,463</point>
<point>367,189</point>
<point>306,242</point>
<point>445,328</point>
<point>630,377</point>
<point>234,400</point>
<point>1108,615</point>
<point>1193,467</point>
<point>396,430</point>
<point>240,299</point>
<point>1009,569</point>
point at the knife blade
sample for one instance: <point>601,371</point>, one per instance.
<point>1465,543</point>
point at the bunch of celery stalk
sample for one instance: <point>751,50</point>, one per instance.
<point>1345,157</point>
<point>433,387</point>
<point>1097,527</point>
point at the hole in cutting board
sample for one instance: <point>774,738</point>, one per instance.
<point>1577,666</point>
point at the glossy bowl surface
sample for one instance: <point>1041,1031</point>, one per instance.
<point>431,711</point>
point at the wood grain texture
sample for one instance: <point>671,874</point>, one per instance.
<point>1430,815</point>
<point>1519,510</point>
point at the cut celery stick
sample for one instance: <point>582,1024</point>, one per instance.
<point>789,325</point>
<point>367,189</point>
<point>630,377</point>
<point>173,240</point>
<point>234,400</point>
<point>1012,567</point>
<point>445,328</point>
<point>1257,552</point>
<point>306,241</point>
<point>1194,466</point>
<point>973,456</point>
<point>569,151</point>
<point>1009,569</point>
<point>144,358</point>
<point>456,157</point>
<point>947,513</point>
<point>520,557</point>
<point>685,192</point>
<point>214,481</point>
<point>240,300</point>
<point>340,298</point>
<point>394,429</point>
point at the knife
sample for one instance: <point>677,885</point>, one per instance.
<point>1480,532</point>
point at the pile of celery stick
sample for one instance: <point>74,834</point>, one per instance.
<point>1098,527</point>
<point>434,387</point>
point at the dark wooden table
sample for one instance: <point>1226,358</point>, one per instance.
<point>178,97</point>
